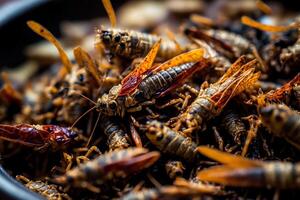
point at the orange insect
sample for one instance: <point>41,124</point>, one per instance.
<point>242,172</point>
<point>212,100</point>
<point>147,81</point>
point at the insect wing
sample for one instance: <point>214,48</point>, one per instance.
<point>132,80</point>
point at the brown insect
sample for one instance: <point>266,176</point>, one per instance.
<point>49,191</point>
<point>212,99</point>
<point>171,142</point>
<point>242,172</point>
<point>146,82</point>
<point>232,123</point>
<point>39,137</point>
<point>286,93</point>
<point>118,163</point>
<point>116,136</point>
<point>181,189</point>
<point>282,121</point>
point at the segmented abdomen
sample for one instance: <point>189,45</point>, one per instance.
<point>282,175</point>
<point>117,138</point>
<point>176,144</point>
<point>233,124</point>
<point>202,108</point>
<point>162,79</point>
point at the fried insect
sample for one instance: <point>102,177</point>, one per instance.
<point>49,191</point>
<point>146,82</point>
<point>241,172</point>
<point>39,137</point>
<point>118,163</point>
<point>232,123</point>
<point>290,57</point>
<point>174,168</point>
<point>213,99</point>
<point>133,44</point>
<point>282,121</point>
<point>116,136</point>
<point>227,43</point>
<point>171,142</point>
<point>181,190</point>
<point>285,93</point>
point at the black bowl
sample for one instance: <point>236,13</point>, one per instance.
<point>15,36</point>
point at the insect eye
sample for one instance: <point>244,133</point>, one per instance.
<point>80,77</point>
<point>122,46</point>
<point>117,38</point>
<point>106,38</point>
<point>278,118</point>
<point>159,137</point>
<point>113,105</point>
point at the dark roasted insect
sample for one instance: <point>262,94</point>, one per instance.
<point>171,142</point>
<point>145,82</point>
<point>116,135</point>
<point>39,137</point>
<point>174,168</point>
<point>282,121</point>
<point>232,123</point>
<point>227,43</point>
<point>134,44</point>
<point>212,99</point>
<point>49,191</point>
<point>118,163</point>
<point>243,172</point>
<point>181,189</point>
<point>286,93</point>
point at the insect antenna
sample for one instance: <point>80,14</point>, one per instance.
<point>93,131</point>
<point>86,112</point>
<point>87,98</point>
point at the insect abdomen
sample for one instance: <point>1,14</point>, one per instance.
<point>161,80</point>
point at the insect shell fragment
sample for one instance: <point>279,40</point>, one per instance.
<point>134,44</point>
<point>282,121</point>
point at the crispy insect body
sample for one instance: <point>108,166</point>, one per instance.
<point>283,122</point>
<point>174,168</point>
<point>117,138</point>
<point>232,123</point>
<point>242,172</point>
<point>212,100</point>
<point>290,56</point>
<point>171,142</point>
<point>49,191</point>
<point>285,94</point>
<point>135,90</point>
<point>134,44</point>
<point>181,190</point>
<point>38,136</point>
<point>118,163</point>
<point>230,44</point>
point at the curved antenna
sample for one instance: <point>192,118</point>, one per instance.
<point>85,97</point>
<point>86,112</point>
<point>93,131</point>
<point>43,32</point>
<point>110,12</point>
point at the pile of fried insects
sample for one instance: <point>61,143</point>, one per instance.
<point>175,100</point>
